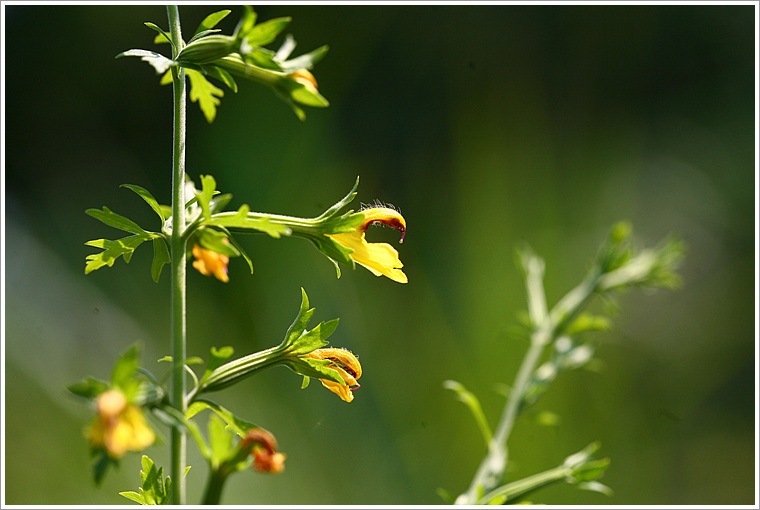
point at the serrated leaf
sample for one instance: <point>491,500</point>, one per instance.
<point>112,251</point>
<point>160,257</point>
<point>112,219</point>
<point>204,93</point>
<point>159,62</point>
<point>208,189</point>
<point>145,195</point>
<point>315,338</point>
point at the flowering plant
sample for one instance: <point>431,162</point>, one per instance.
<point>195,225</point>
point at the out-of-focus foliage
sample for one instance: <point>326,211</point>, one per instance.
<point>487,126</point>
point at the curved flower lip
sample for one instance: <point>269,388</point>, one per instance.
<point>346,364</point>
<point>380,258</point>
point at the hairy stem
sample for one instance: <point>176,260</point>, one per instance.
<point>178,267</point>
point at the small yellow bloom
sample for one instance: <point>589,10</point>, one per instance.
<point>305,78</point>
<point>380,258</point>
<point>346,364</point>
<point>210,262</point>
<point>119,426</point>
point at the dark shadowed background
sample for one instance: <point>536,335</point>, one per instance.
<point>487,126</point>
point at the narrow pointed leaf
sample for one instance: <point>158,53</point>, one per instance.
<point>145,195</point>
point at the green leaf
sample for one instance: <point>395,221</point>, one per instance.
<point>473,404</point>
<point>160,257</point>
<point>112,219</point>
<point>154,490</point>
<point>159,62</point>
<point>310,367</point>
<point>137,498</point>
<point>100,467</point>
<point>145,194</point>
<point>315,338</point>
<point>214,240</point>
<point>112,251</point>
<point>298,326</point>
<point>200,35</point>
<point>264,58</point>
<point>239,248</point>
<point>212,20</point>
<point>219,440</point>
<point>340,204</point>
<point>218,357</point>
<point>208,190</point>
<point>88,387</point>
<point>204,93</point>
<point>266,32</point>
<point>238,425</point>
<point>221,75</point>
<point>588,322</point>
<point>124,370</point>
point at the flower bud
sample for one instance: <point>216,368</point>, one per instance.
<point>305,78</point>
<point>207,49</point>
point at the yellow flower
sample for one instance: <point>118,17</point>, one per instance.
<point>380,258</point>
<point>346,364</point>
<point>119,426</point>
<point>305,78</point>
<point>210,262</point>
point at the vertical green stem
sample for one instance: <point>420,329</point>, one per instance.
<point>178,266</point>
<point>491,469</point>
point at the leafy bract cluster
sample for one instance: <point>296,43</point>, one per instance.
<point>208,225</point>
<point>221,57</point>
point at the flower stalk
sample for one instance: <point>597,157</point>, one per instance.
<point>178,445</point>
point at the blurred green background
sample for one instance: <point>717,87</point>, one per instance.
<point>487,126</point>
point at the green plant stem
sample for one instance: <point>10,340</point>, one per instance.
<point>529,484</point>
<point>214,487</point>
<point>548,326</point>
<point>178,268</point>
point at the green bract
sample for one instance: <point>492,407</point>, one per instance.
<point>241,54</point>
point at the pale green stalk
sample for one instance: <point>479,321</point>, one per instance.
<point>548,325</point>
<point>178,267</point>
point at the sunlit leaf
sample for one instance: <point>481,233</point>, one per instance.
<point>159,62</point>
<point>204,93</point>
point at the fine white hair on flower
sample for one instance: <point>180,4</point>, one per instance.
<point>377,204</point>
